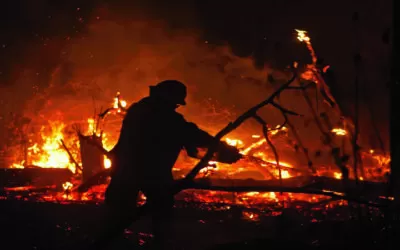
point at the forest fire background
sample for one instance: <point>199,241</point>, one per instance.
<point>64,63</point>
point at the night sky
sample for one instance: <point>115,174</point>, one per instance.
<point>34,32</point>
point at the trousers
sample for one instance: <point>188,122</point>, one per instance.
<point>120,213</point>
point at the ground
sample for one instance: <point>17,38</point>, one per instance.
<point>42,225</point>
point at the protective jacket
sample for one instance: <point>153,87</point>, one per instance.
<point>151,139</point>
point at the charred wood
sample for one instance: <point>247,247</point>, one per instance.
<point>34,176</point>
<point>92,156</point>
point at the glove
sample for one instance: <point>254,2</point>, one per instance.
<point>227,154</point>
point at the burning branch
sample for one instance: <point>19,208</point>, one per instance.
<point>119,106</point>
<point>71,158</point>
<point>324,90</point>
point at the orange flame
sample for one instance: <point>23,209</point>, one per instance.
<point>302,36</point>
<point>51,153</point>
<point>339,131</point>
<point>107,162</point>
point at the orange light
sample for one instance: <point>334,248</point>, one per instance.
<point>339,131</point>
<point>107,162</point>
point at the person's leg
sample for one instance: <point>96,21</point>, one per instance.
<point>161,207</point>
<point>112,225</point>
<point>120,212</point>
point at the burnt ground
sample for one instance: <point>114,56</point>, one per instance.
<point>40,225</point>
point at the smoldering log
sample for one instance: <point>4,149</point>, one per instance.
<point>33,176</point>
<point>92,157</point>
<point>373,194</point>
<point>97,179</point>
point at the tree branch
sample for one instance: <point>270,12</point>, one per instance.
<point>271,145</point>
<point>229,128</point>
<point>70,156</point>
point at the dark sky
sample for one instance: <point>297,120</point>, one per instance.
<point>34,32</point>
<point>244,24</point>
<point>261,28</point>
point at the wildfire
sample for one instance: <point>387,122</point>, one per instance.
<point>51,152</point>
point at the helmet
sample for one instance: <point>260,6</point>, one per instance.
<point>172,90</point>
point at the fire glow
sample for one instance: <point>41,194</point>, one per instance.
<point>51,152</point>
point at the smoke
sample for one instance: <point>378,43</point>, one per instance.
<point>127,58</point>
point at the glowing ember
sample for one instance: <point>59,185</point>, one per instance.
<point>119,103</point>
<point>91,127</point>
<point>250,216</point>
<point>337,175</point>
<point>16,165</point>
<point>107,162</point>
<point>234,142</point>
<point>285,174</point>
<point>302,36</point>
<point>339,131</point>
<point>67,186</point>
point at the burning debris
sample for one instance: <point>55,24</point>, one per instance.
<point>263,175</point>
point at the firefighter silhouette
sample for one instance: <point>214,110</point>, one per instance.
<point>152,136</point>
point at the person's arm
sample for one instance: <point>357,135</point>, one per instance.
<point>197,138</point>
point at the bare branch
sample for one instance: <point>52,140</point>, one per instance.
<point>284,110</point>
<point>70,155</point>
<point>265,132</point>
<point>301,87</point>
<point>232,126</point>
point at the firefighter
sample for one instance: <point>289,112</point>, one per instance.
<point>152,136</point>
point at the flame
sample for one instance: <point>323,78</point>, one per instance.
<point>67,186</point>
<point>18,165</point>
<point>302,36</point>
<point>337,175</point>
<point>339,131</point>
<point>234,142</point>
<point>91,126</point>
<point>119,103</point>
<point>51,153</point>
<point>107,162</point>
<point>116,101</point>
<point>250,216</point>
